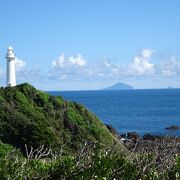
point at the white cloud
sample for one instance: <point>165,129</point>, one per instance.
<point>78,60</point>
<point>141,64</point>
<point>68,67</point>
<point>77,68</point>
<point>70,61</point>
<point>147,53</point>
<point>20,64</point>
<point>31,75</point>
<point>27,74</point>
<point>60,62</point>
<point>170,67</point>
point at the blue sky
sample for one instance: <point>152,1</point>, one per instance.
<point>78,44</point>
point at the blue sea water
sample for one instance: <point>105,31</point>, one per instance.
<point>143,111</point>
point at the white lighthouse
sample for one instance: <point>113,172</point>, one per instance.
<point>11,72</point>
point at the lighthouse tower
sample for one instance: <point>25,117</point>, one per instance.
<point>11,74</point>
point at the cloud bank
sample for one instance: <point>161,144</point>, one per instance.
<point>26,73</point>
<point>145,64</point>
<point>20,64</point>
<point>142,65</point>
<point>78,68</point>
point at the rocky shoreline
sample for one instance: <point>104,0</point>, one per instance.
<point>168,144</point>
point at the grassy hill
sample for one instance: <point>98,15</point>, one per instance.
<point>32,117</point>
<point>29,116</point>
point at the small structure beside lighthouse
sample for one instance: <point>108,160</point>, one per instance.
<point>11,71</point>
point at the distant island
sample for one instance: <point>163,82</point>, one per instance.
<point>119,86</point>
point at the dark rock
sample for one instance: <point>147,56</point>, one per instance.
<point>133,136</point>
<point>148,136</point>
<point>173,128</point>
<point>152,137</point>
<point>113,131</point>
<point>123,135</point>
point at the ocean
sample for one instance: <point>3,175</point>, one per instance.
<point>142,111</point>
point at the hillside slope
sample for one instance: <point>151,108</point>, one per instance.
<point>29,116</point>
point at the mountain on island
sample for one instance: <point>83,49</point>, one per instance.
<point>119,86</point>
<point>33,117</point>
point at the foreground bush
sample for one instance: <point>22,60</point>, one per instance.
<point>89,163</point>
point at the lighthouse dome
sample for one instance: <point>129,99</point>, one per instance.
<point>10,48</point>
<point>10,53</point>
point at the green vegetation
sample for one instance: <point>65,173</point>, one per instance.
<point>32,117</point>
<point>47,137</point>
<point>88,164</point>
